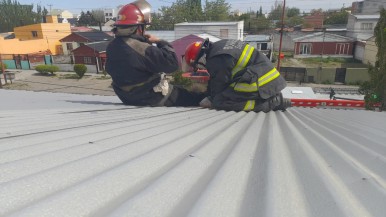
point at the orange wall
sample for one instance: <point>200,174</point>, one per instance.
<point>51,33</point>
<point>15,46</point>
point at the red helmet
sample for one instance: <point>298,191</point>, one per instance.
<point>135,13</point>
<point>195,51</point>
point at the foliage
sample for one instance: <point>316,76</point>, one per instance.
<point>91,18</point>
<point>178,79</point>
<point>217,10</point>
<point>189,11</point>
<point>375,89</point>
<point>14,14</point>
<point>80,70</point>
<point>340,17</point>
<point>45,69</point>
<point>4,65</point>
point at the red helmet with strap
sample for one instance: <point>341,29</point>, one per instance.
<point>135,13</point>
<point>194,52</point>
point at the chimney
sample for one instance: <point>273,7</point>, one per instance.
<point>51,19</point>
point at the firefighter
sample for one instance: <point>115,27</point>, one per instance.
<point>137,67</point>
<point>241,78</point>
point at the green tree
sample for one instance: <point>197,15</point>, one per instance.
<point>375,88</point>
<point>14,14</point>
<point>217,10</point>
<point>340,17</point>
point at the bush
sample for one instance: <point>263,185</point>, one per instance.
<point>181,81</point>
<point>80,70</point>
<point>45,69</point>
<point>5,65</point>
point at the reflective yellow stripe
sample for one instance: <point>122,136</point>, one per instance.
<point>268,77</point>
<point>245,87</point>
<point>249,106</point>
<point>243,60</point>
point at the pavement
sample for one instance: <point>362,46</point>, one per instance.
<point>61,82</point>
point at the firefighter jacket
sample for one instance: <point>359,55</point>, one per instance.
<point>240,76</point>
<point>135,67</point>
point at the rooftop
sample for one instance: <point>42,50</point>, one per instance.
<point>84,155</point>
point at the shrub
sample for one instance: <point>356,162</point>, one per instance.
<point>178,79</point>
<point>5,65</point>
<point>80,70</point>
<point>45,69</point>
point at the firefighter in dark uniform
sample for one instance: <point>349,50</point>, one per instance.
<point>138,68</point>
<point>241,78</point>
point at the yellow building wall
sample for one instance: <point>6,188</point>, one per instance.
<point>15,46</point>
<point>50,32</point>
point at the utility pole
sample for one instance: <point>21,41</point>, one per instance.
<point>281,36</point>
<point>50,9</point>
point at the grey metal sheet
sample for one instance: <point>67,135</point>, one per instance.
<point>101,159</point>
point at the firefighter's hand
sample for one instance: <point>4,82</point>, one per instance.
<point>152,38</point>
<point>206,103</point>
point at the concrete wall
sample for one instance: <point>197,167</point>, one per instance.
<point>235,31</point>
<point>327,75</point>
<point>371,51</point>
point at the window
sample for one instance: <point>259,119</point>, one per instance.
<point>366,26</point>
<point>110,14</point>
<point>69,46</point>
<point>87,60</point>
<point>305,48</point>
<point>223,33</point>
<point>342,48</point>
<point>34,34</point>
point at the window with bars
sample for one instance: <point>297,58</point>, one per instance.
<point>305,48</point>
<point>87,60</point>
<point>366,26</point>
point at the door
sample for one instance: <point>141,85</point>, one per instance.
<point>340,75</point>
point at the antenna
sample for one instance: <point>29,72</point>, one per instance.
<point>50,9</point>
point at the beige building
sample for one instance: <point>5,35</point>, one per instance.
<point>371,51</point>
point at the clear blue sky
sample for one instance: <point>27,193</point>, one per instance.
<point>75,6</point>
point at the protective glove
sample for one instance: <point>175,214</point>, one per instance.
<point>206,103</point>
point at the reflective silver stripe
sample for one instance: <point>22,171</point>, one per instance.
<point>249,106</point>
<point>245,87</point>
<point>243,60</point>
<point>268,77</point>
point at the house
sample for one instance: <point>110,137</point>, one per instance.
<point>314,20</point>
<point>323,44</point>
<point>76,39</point>
<point>180,44</point>
<point>36,38</point>
<point>109,14</point>
<point>367,6</point>
<point>93,55</point>
<point>223,30</point>
<point>263,43</point>
<point>61,13</point>
<point>361,27</point>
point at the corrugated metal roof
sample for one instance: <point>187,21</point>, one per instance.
<point>91,156</point>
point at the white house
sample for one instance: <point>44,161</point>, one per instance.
<point>223,30</point>
<point>361,27</point>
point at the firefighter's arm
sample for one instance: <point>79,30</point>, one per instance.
<point>162,57</point>
<point>219,68</point>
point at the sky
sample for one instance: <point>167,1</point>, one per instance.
<point>75,6</point>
